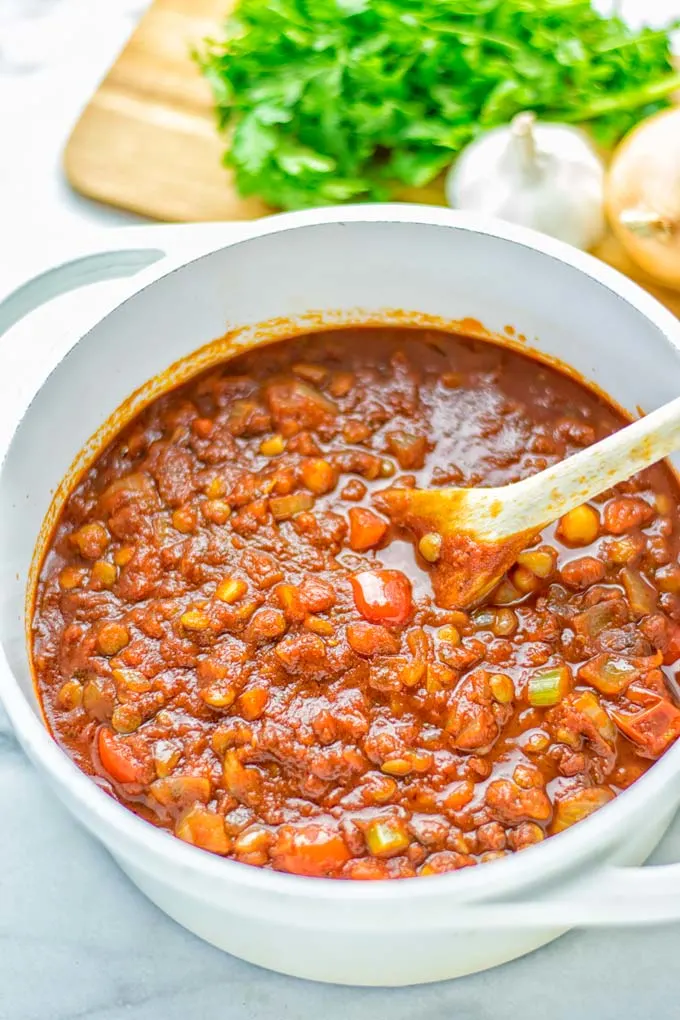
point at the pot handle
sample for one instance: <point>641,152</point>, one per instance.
<point>33,280</point>
<point>609,896</point>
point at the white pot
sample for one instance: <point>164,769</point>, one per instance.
<point>370,262</point>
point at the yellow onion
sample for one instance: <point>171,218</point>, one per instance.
<point>642,196</point>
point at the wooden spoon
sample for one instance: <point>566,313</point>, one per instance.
<point>472,536</point>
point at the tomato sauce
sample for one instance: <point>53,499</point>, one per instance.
<point>242,647</point>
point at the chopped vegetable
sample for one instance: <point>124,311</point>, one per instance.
<point>312,849</point>
<point>386,837</point>
<point>273,446</point>
<point>574,807</point>
<point>71,577</point>
<point>218,695</point>
<point>409,449</point>
<point>255,839</point>
<point>137,487</point>
<point>548,686</point>
<point>203,828</point>
<point>642,595</point>
<point>252,703</point>
<point>123,555</point>
<point>290,599</point>
<point>195,619</point>
<point>540,562</point>
<point>240,781</point>
<point>318,625</point>
<point>118,759</point>
<point>230,590</point>
<point>181,790</point>
<point>625,549</point>
<point>202,427</point>
<point>331,101</point>
<point>449,633</point>
<point>668,578</point>
<point>285,507</point>
<point>318,475</point>
<point>382,596</point>
<point>653,729</point>
<point>590,705</point>
<point>166,756</point>
<point>397,766</point>
<point>611,674</point>
<point>597,618</point>
<point>316,374</point>
<point>366,529</point>
<point>298,401</point>
<point>216,488</point>
<point>371,639</point>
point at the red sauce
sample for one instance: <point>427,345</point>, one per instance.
<point>240,645</point>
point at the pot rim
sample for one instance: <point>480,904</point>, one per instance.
<point>143,841</point>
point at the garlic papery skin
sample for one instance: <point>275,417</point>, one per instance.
<point>540,175</point>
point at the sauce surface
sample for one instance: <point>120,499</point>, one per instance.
<point>242,649</point>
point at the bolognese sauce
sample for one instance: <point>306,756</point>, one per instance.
<point>245,651</point>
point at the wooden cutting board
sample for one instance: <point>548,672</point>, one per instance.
<point>147,140</point>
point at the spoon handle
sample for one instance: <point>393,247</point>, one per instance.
<point>551,493</point>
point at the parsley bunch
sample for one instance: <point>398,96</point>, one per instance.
<point>328,101</point>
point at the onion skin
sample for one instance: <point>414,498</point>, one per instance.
<point>642,196</point>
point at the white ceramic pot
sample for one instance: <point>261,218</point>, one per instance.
<point>353,264</point>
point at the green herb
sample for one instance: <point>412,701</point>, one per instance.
<point>328,101</point>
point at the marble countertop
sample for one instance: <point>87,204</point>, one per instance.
<point>77,941</point>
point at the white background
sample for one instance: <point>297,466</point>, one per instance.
<point>76,940</point>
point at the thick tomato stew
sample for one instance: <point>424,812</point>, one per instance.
<point>245,652</point>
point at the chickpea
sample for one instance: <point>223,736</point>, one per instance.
<point>112,638</point>
<point>580,526</point>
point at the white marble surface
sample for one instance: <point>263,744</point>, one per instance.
<point>76,939</point>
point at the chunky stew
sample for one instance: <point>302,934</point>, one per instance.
<point>243,649</point>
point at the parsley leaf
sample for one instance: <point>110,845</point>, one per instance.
<point>327,101</point>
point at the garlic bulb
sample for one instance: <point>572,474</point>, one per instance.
<point>643,196</point>
<point>544,176</point>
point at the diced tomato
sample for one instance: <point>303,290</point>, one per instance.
<point>202,827</point>
<point>371,639</point>
<point>313,849</point>
<point>671,651</point>
<point>366,529</point>
<point>118,759</point>
<point>652,730</point>
<point>367,869</point>
<point>382,596</point>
